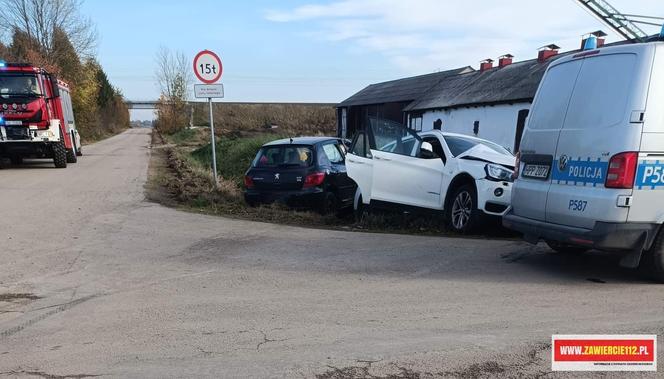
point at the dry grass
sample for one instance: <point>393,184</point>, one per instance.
<point>251,119</point>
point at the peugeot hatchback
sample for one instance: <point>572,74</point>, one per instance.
<point>301,172</point>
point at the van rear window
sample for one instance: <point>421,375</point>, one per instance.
<point>602,92</point>
<point>284,156</point>
<point>553,96</point>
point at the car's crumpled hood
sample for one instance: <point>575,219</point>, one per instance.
<point>484,153</point>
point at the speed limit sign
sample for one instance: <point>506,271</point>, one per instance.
<point>207,67</point>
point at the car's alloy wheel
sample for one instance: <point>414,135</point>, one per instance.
<point>462,210</point>
<point>462,214</point>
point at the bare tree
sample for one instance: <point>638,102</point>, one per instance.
<point>173,74</point>
<point>39,20</point>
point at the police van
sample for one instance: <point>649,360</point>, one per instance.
<point>590,173</point>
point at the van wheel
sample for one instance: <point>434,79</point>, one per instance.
<point>564,248</point>
<point>654,260</point>
<point>462,214</point>
<point>60,155</point>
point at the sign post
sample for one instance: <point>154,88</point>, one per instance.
<point>208,69</point>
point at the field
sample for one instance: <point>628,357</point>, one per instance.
<point>285,119</point>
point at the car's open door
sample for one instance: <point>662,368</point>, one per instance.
<point>359,164</point>
<point>400,174</point>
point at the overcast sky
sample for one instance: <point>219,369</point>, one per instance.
<point>324,51</point>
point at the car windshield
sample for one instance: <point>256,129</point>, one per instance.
<point>284,156</point>
<point>19,85</point>
<point>459,145</point>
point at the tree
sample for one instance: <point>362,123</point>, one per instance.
<point>175,80</point>
<point>41,19</point>
<point>52,34</point>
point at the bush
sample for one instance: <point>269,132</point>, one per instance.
<point>234,156</point>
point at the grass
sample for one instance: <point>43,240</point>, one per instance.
<point>234,155</point>
<point>183,136</point>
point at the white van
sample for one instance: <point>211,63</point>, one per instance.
<point>591,171</point>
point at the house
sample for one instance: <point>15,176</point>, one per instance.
<point>491,103</point>
<point>386,100</point>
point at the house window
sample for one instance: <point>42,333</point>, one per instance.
<point>416,123</point>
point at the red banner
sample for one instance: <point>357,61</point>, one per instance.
<point>604,350</point>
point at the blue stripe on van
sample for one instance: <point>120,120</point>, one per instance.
<point>649,175</point>
<point>581,171</point>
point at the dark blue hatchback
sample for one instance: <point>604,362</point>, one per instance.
<point>305,172</point>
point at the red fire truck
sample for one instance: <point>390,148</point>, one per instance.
<point>36,116</point>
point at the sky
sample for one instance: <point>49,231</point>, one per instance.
<point>325,51</point>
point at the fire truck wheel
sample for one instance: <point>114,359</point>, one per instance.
<point>60,155</point>
<point>79,152</point>
<point>71,156</point>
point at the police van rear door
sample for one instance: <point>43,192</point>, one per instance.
<point>598,127</point>
<point>538,145</point>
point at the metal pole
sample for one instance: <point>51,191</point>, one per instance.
<point>214,148</point>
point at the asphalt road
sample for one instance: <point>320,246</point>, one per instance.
<point>95,280</point>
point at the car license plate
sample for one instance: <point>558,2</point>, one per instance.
<point>537,171</point>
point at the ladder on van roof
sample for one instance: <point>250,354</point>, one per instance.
<point>620,23</point>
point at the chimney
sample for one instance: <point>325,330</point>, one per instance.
<point>546,52</point>
<point>505,60</point>
<point>486,64</point>
<point>599,34</point>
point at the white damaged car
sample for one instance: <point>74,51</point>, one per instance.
<point>464,178</point>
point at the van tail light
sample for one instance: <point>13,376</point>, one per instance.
<point>622,170</point>
<point>314,180</point>
<point>517,166</point>
<point>248,182</point>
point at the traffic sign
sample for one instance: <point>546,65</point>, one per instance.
<point>207,67</point>
<point>209,91</point>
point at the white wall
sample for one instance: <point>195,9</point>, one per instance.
<point>497,123</point>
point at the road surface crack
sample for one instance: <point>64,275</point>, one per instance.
<point>268,340</point>
<point>49,376</point>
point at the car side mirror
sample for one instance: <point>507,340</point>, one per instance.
<point>426,151</point>
<point>427,146</point>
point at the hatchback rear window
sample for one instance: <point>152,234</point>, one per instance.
<point>284,156</point>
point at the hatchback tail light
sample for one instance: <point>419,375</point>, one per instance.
<point>248,182</point>
<point>622,170</point>
<point>314,180</point>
